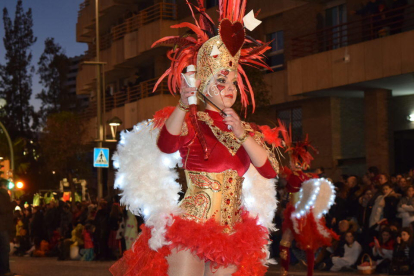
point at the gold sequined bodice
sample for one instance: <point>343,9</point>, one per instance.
<point>213,195</point>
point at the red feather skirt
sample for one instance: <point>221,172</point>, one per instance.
<point>243,248</point>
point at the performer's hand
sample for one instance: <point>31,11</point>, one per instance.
<point>234,121</point>
<point>186,91</point>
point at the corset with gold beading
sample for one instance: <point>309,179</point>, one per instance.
<point>213,195</point>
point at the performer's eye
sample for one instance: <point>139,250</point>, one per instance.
<point>235,83</point>
<point>221,80</point>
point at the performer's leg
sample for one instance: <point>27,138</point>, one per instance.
<point>310,259</point>
<point>221,271</point>
<point>285,243</point>
<point>184,263</point>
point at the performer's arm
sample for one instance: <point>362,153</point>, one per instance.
<point>175,122</point>
<point>169,138</point>
<point>258,155</point>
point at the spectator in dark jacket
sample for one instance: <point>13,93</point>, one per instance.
<point>37,228</point>
<point>101,234</point>
<point>403,256</point>
<point>6,227</point>
<point>66,222</point>
<point>51,219</point>
<point>391,203</point>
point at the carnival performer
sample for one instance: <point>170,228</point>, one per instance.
<point>309,199</point>
<point>221,226</point>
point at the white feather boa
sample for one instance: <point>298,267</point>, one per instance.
<point>148,180</point>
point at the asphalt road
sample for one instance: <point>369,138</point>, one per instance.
<point>28,266</point>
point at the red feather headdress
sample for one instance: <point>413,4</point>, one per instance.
<point>298,151</point>
<point>237,49</point>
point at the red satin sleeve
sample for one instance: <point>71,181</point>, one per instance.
<point>167,142</point>
<point>266,170</point>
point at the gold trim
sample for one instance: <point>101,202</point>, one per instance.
<point>184,129</point>
<point>208,66</point>
<point>259,138</point>
<point>283,254</point>
<point>213,195</point>
<point>227,138</point>
<point>285,243</point>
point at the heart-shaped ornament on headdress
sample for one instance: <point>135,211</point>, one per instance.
<point>232,35</point>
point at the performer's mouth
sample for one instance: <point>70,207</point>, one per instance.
<point>230,96</point>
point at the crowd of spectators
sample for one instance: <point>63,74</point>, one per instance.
<point>374,216</point>
<point>86,231</point>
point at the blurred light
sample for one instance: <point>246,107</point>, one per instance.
<point>10,186</point>
<point>19,185</point>
<point>1,158</point>
<point>115,121</point>
<point>54,172</point>
<point>410,117</point>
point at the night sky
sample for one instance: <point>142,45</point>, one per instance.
<point>51,18</point>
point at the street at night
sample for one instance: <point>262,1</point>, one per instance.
<point>202,137</point>
<point>27,266</point>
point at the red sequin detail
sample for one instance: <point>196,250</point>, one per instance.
<point>225,72</point>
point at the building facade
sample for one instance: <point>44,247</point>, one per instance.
<point>340,73</point>
<point>82,100</point>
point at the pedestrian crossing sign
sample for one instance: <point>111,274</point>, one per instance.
<point>101,158</point>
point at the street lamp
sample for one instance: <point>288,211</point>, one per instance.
<point>19,185</point>
<point>114,123</point>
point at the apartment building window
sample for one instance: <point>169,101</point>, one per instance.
<point>292,118</point>
<point>336,17</point>
<point>211,3</point>
<point>276,55</point>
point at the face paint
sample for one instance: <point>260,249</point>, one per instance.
<point>220,87</point>
<point>224,72</point>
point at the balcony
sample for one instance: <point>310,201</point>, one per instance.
<point>130,94</point>
<point>157,12</point>
<point>160,11</point>
<point>367,28</point>
<point>134,105</point>
<point>351,57</point>
<point>122,47</point>
<point>108,11</point>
